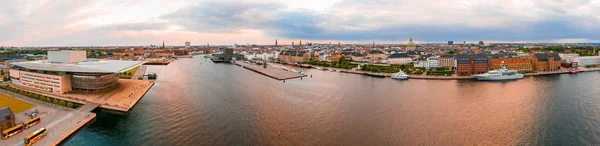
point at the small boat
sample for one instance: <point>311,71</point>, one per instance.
<point>377,75</point>
<point>301,72</point>
<point>400,75</point>
<point>573,71</point>
<point>319,68</point>
<point>152,76</point>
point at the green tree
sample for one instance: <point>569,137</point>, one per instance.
<point>70,104</point>
<point>63,103</point>
<point>451,52</point>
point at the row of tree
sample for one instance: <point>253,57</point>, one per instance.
<point>41,97</point>
<point>581,50</point>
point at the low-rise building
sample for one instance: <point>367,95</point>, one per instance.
<point>399,58</point>
<point>294,56</point>
<point>546,62</point>
<point>7,118</point>
<point>447,61</point>
<point>433,62</point>
<point>520,64</point>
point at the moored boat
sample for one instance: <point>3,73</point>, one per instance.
<point>400,75</point>
<point>500,75</point>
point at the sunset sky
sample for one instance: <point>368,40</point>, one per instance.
<point>143,22</point>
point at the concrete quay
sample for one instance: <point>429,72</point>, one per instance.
<point>274,73</point>
<point>122,97</point>
<point>60,122</point>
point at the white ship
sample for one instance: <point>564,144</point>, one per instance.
<point>499,75</point>
<point>400,75</point>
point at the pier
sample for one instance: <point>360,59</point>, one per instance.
<point>274,73</point>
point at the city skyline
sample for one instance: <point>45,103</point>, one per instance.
<point>108,23</point>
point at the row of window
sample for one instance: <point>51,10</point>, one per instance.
<point>37,76</point>
<point>54,82</point>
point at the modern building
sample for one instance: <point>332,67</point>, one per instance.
<point>7,118</point>
<point>187,45</point>
<point>480,43</point>
<point>66,71</point>
<point>588,60</point>
<point>471,64</point>
<point>546,62</point>
<point>450,43</point>
<point>520,64</point>
<point>434,62</point>
<point>399,58</point>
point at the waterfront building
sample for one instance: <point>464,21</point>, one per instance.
<point>588,60</point>
<point>7,118</point>
<point>447,61</point>
<point>376,56</point>
<point>421,64</point>
<point>65,71</point>
<point>450,43</point>
<point>294,56</point>
<point>471,64</point>
<point>546,61</point>
<point>410,46</point>
<point>520,64</point>
<point>357,56</point>
<point>187,45</point>
<point>335,57</point>
<point>399,58</point>
<point>434,62</point>
<point>480,43</point>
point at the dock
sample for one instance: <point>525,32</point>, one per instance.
<point>122,97</point>
<point>139,74</point>
<point>274,73</point>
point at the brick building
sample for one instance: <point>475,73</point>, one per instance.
<point>546,62</point>
<point>471,64</point>
<point>520,64</point>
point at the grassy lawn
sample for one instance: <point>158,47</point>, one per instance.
<point>15,105</point>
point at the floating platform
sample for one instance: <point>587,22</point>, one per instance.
<point>275,73</point>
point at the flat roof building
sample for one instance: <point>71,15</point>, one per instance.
<point>65,71</point>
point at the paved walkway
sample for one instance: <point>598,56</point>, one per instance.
<point>59,121</point>
<point>139,74</point>
<point>272,72</point>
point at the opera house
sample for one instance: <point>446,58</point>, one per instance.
<point>66,71</point>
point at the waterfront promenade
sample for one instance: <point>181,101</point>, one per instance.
<point>122,97</point>
<point>60,122</point>
<point>270,71</point>
<point>454,76</point>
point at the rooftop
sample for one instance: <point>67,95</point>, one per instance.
<point>89,66</point>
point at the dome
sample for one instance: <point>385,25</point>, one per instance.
<point>411,43</point>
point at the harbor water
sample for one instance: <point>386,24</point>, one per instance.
<point>195,102</point>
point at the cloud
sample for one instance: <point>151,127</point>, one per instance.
<point>63,22</point>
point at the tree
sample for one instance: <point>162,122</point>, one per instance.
<point>63,103</point>
<point>70,104</point>
<point>451,52</point>
<point>1,72</point>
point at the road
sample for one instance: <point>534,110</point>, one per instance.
<point>56,119</point>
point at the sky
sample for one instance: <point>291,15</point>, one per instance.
<point>144,22</point>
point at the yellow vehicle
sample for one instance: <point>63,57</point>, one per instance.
<point>30,123</point>
<point>35,136</point>
<point>11,131</point>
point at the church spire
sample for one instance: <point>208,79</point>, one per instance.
<point>410,39</point>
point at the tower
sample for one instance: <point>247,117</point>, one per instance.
<point>300,43</point>
<point>163,47</point>
<point>275,42</point>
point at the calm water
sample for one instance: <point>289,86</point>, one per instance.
<point>197,103</point>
